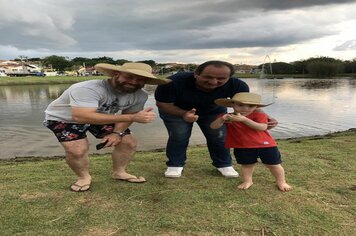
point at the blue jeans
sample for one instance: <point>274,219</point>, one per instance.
<point>179,132</point>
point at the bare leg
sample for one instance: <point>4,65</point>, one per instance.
<point>247,171</point>
<point>121,157</point>
<point>278,173</point>
<point>78,160</point>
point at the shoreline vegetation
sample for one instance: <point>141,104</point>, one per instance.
<point>36,199</point>
<point>37,80</point>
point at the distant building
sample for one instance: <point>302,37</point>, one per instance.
<point>245,69</point>
<point>171,68</point>
<point>87,71</point>
<point>18,68</point>
<point>2,72</point>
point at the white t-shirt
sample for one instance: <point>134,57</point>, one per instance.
<point>95,94</point>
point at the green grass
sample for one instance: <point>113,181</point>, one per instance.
<point>32,80</point>
<point>44,80</point>
<point>35,197</point>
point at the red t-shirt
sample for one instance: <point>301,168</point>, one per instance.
<point>239,135</point>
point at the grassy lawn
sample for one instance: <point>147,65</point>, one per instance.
<point>35,197</point>
<point>44,80</point>
<point>73,79</point>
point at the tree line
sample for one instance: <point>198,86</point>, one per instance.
<point>315,66</point>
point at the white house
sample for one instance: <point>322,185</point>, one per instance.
<point>13,67</point>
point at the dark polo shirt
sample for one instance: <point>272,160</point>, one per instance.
<point>184,94</point>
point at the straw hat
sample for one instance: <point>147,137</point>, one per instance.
<point>244,98</point>
<point>135,68</point>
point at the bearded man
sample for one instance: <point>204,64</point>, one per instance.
<point>105,108</point>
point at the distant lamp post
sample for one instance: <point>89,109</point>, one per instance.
<point>24,67</point>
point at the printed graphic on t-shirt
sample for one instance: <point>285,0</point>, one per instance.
<point>110,108</point>
<point>113,107</point>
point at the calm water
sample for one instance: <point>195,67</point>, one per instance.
<point>303,107</point>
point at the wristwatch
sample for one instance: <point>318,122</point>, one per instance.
<point>122,134</point>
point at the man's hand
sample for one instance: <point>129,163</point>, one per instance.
<point>190,116</point>
<point>144,116</point>
<point>111,140</point>
<point>271,123</point>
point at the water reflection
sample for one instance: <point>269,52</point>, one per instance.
<point>303,107</point>
<point>25,104</point>
<point>317,84</point>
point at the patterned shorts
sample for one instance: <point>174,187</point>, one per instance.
<point>71,131</point>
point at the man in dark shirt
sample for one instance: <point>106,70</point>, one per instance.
<point>190,98</point>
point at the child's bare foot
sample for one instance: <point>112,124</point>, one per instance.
<point>284,187</point>
<point>245,185</point>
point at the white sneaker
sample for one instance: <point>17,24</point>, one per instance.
<point>228,172</point>
<point>173,172</point>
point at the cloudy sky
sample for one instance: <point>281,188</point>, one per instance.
<point>186,31</point>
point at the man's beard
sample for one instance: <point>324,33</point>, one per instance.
<point>127,89</point>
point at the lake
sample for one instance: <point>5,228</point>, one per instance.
<point>303,107</point>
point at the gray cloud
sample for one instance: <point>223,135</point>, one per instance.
<point>35,24</point>
<point>348,45</point>
<point>109,25</point>
<point>284,5</point>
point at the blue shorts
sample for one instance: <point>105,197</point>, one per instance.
<point>247,156</point>
<point>71,131</point>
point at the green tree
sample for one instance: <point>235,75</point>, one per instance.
<point>322,67</point>
<point>281,68</point>
<point>191,67</point>
<point>350,66</point>
<point>121,61</point>
<point>97,60</point>
<point>56,62</point>
<point>300,67</point>
<point>149,62</point>
<point>34,59</point>
<point>80,61</point>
